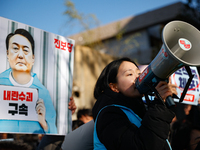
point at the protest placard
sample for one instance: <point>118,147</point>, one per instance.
<point>36,75</point>
<point>180,78</point>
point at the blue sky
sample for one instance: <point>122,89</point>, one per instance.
<point>49,15</point>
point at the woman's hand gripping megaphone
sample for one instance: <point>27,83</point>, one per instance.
<point>166,91</point>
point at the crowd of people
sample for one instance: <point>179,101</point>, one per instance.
<point>122,120</point>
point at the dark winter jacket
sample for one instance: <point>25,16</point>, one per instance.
<point>116,132</point>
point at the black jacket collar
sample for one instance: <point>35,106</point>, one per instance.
<point>109,97</point>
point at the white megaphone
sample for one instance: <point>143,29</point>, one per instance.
<point>181,47</point>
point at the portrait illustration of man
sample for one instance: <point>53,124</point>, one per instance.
<point>20,54</point>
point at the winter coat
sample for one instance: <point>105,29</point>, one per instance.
<point>115,130</point>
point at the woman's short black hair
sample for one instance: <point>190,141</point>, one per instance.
<point>24,33</point>
<point>109,75</point>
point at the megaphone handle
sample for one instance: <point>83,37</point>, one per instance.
<point>169,102</point>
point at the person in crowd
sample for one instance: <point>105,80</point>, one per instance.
<point>84,115</point>
<point>186,137</point>
<point>76,124</point>
<point>20,53</point>
<point>80,138</point>
<point>54,142</point>
<point>13,145</point>
<point>186,115</point>
<point>121,119</point>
